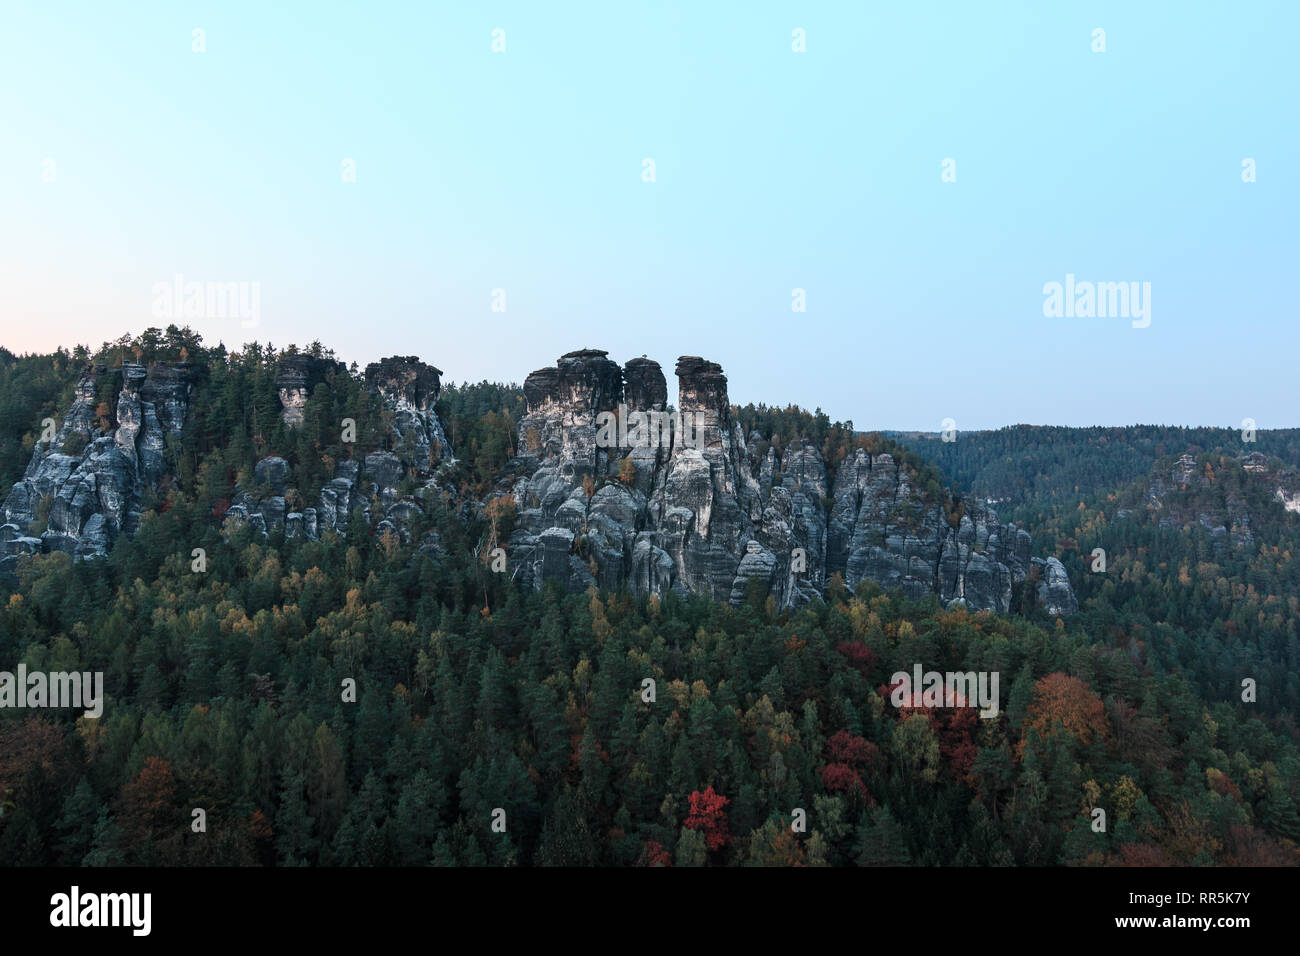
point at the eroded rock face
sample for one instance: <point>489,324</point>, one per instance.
<point>1053,591</point>
<point>563,403</point>
<point>699,513</point>
<point>684,506</point>
<point>89,483</point>
<point>644,387</point>
<point>668,518</point>
<point>86,487</point>
<point>882,528</point>
<point>410,388</point>
<point>297,376</point>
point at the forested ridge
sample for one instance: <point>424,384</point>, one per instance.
<point>1025,465</point>
<point>225,689</point>
<point>1219,601</point>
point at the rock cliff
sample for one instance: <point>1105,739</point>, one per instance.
<point>698,512</point>
<point>611,485</point>
<point>408,389</point>
<point>298,375</point>
<point>88,484</point>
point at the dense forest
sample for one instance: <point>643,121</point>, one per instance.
<point>1213,605</point>
<point>1036,464</point>
<point>496,726</point>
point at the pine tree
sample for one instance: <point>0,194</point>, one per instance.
<point>881,841</point>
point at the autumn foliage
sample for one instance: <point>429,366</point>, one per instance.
<point>847,757</point>
<point>1062,701</point>
<point>709,815</point>
<point>25,745</point>
<point>654,854</point>
<point>859,655</point>
<point>956,728</point>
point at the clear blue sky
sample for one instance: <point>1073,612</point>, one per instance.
<point>522,170</point>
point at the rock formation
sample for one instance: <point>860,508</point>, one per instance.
<point>665,501</point>
<point>298,375</point>
<point>1052,589</point>
<point>88,484</point>
<point>1285,482</point>
<point>410,388</point>
<point>1182,495</point>
<point>706,516</point>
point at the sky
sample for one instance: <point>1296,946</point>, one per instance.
<point>389,183</point>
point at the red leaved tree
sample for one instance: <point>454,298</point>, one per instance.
<point>709,815</point>
<point>847,757</point>
<point>859,655</point>
<point>653,854</point>
<point>1069,702</point>
<point>150,820</point>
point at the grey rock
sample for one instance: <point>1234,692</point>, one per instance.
<point>562,406</point>
<point>335,501</point>
<point>757,564</point>
<point>95,494</point>
<point>409,388</point>
<point>690,509</point>
<point>297,377</point>
<point>1054,594</point>
<point>694,506</point>
<point>386,470</point>
<point>272,511</point>
<point>555,544</point>
<point>644,386</point>
<point>272,472</point>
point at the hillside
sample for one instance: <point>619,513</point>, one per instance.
<point>650,676</point>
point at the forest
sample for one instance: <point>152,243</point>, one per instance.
<point>494,726</point>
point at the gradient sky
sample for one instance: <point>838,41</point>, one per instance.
<point>522,170</point>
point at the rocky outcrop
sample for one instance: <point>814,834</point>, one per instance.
<point>668,518</point>
<point>409,389</point>
<point>1284,482</point>
<point>297,376</point>
<point>610,486</point>
<point>1176,499</point>
<point>562,404</point>
<point>1184,494</point>
<point>87,485</point>
<point>373,483</point>
<point>882,528</point>
<point>1052,589</point>
<point>644,385</point>
<point>699,513</point>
